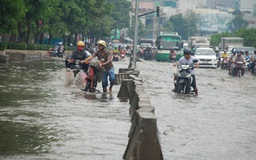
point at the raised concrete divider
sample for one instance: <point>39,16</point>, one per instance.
<point>9,55</point>
<point>143,143</point>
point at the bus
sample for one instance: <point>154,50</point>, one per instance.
<point>165,42</point>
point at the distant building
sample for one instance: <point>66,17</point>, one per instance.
<point>221,4</point>
<point>215,15</point>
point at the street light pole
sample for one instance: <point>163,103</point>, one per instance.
<point>135,35</point>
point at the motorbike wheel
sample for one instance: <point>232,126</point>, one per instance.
<point>238,73</point>
<point>225,67</point>
<point>180,88</point>
<point>188,88</point>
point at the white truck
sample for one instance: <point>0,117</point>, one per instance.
<point>227,43</point>
<point>195,42</point>
<point>198,42</point>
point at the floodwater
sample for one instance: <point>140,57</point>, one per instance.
<point>42,118</point>
<point>218,124</point>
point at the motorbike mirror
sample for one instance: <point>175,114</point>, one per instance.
<point>195,60</point>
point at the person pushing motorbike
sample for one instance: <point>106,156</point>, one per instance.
<point>78,54</point>
<point>104,56</point>
<point>188,59</point>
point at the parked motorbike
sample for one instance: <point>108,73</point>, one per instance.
<point>184,78</point>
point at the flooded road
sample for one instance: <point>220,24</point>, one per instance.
<point>42,118</point>
<point>218,124</point>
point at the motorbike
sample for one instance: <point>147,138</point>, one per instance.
<point>75,74</point>
<point>148,55</point>
<point>122,55</point>
<point>115,56</point>
<point>94,75</point>
<point>52,52</point>
<point>224,63</point>
<point>184,78</point>
<point>172,56</point>
<point>56,52</point>
<point>247,65</point>
<point>61,53</point>
<point>237,69</point>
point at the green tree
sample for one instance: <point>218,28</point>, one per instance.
<point>10,14</point>
<point>216,39</point>
<point>37,10</point>
<point>168,27</point>
<point>249,36</point>
<point>239,22</point>
<point>180,25</point>
<point>120,13</point>
<point>141,29</point>
<point>193,20</point>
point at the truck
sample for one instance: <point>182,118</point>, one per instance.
<point>195,42</point>
<point>227,43</point>
<point>198,41</point>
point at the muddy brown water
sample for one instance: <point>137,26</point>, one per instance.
<point>42,118</point>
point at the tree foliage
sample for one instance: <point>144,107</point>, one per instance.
<point>29,20</point>
<point>238,22</point>
<point>120,14</point>
<point>249,36</point>
<point>141,29</point>
<point>180,25</point>
<point>184,25</point>
<point>11,12</point>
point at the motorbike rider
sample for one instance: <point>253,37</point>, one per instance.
<point>247,58</point>
<point>238,58</point>
<point>225,54</point>
<point>148,52</point>
<point>172,55</point>
<point>104,56</point>
<point>188,59</point>
<point>61,49</point>
<point>253,61</point>
<point>79,54</point>
<point>230,60</point>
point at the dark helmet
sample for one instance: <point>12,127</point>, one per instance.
<point>186,52</point>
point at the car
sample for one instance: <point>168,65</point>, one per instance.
<point>206,57</point>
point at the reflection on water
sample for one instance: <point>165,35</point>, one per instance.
<point>19,137</point>
<point>43,118</point>
<point>23,84</point>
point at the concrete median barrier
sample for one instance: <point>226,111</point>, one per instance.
<point>143,143</point>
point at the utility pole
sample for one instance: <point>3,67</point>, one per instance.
<point>135,35</point>
<point>157,21</point>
